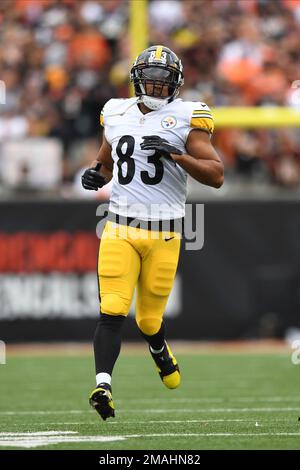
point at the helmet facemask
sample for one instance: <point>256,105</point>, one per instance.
<point>156,84</point>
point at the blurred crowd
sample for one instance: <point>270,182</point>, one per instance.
<point>61,60</point>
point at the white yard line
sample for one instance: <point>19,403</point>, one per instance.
<point>43,441</point>
<point>43,433</point>
<point>172,400</point>
<point>160,410</point>
<point>94,422</point>
<point>33,412</point>
<point>183,421</point>
<point>207,410</point>
<point>35,440</point>
<point>55,423</point>
<point>215,434</point>
<point>266,399</point>
<point>210,400</point>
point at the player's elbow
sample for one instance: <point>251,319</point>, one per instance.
<point>218,178</point>
<point>218,182</point>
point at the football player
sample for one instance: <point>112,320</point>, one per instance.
<point>150,143</point>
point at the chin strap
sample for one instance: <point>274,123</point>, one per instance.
<point>154,103</point>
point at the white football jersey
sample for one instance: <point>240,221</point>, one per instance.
<point>145,186</point>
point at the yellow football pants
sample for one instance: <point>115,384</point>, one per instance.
<point>131,258</point>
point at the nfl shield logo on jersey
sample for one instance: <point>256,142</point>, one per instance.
<point>168,122</point>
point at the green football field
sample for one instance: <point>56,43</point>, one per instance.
<point>228,400</point>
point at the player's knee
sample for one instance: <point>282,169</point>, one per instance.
<point>149,326</point>
<point>113,304</point>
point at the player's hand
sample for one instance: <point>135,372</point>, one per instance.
<point>91,178</point>
<point>162,146</point>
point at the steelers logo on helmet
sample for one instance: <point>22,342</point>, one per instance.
<point>157,75</point>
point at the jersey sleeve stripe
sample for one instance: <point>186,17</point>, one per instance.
<point>203,123</point>
<point>201,111</point>
<point>208,116</point>
<point>101,120</point>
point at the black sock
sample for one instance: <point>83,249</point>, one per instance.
<point>107,342</point>
<point>156,341</point>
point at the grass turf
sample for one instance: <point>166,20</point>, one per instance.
<point>225,401</point>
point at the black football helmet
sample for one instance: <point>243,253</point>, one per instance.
<point>158,66</point>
